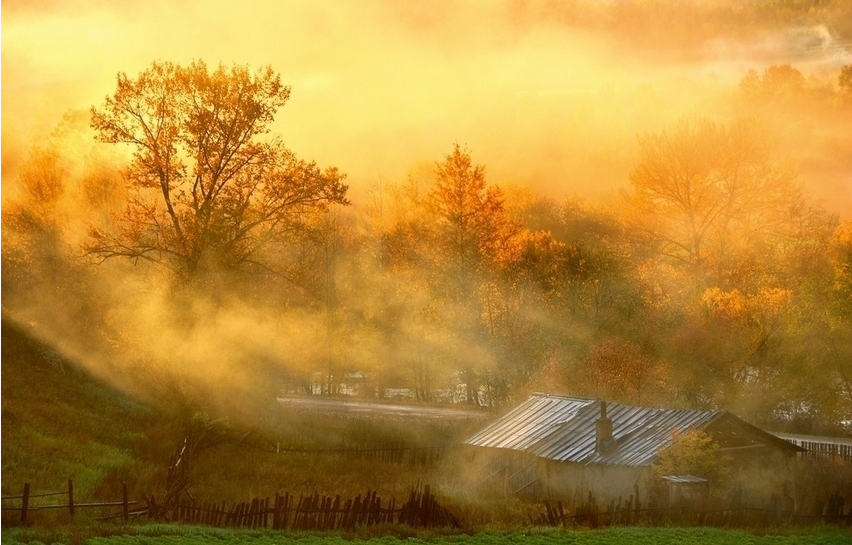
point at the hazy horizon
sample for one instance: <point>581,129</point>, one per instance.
<point>380,87</point>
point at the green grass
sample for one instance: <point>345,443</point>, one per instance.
<point>191,535</point>
<point>59,423</point>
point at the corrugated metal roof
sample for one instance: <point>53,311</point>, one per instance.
<point>529,422</point>
<point>562,428</point>
<point>638,433</point>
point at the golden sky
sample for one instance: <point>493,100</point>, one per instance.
<point>380,86</point>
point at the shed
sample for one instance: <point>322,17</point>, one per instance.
<point>569,447</point>
<point>683,490</point>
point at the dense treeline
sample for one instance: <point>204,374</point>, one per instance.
<point>217,269</point>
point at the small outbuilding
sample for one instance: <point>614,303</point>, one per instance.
<point>561,447</point>
<point>686,490</point>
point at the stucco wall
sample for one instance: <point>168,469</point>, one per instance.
<point>573,482</point>
<point>761,475</point>
<point>504,472</point>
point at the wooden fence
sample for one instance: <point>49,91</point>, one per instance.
<point>319,512</point>
<point>284,511</point>
<point>732,513</point>
<point>823,448</point>
<point>27,503</point>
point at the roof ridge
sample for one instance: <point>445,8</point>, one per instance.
<point>716,412</point>
<point>563,396</point>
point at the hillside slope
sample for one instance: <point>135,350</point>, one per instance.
<point>60,423</point>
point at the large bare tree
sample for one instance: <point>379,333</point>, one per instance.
<point>708,192</point>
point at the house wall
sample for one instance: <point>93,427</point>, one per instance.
<point>573,482</point>
<point>761,475</point>
<point>504,472</point>
<point>510,473</point>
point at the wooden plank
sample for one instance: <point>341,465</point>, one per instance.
<point>377,508</point>
<point>81,505</point>
<point>297,513</point>
<point>322,516</point>
<point>25,503</point>
<point>47,495</point>
<point>354,508</point>
<point>265,514</point>
<point>285,512</point>
<point>335,519</point>
<point>71,498</point>
<point>365,508</point>
<point>315,511</point>
<point>125,510</point>
<point>254,517</point>
<point>309,514</point>
<point>276,513</point>
<point>345,514</point>
<point>238,515</point>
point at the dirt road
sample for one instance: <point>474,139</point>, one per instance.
<point>327,405</point>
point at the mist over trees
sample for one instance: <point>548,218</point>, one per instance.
<point>713,281</point>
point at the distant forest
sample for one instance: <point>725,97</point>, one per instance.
<point>171,244</point>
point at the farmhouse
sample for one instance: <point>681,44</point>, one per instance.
<point>567,448</point>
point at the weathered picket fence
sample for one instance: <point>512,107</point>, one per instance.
<point>319,512</point>
<point>284,511</point>
<point>729,513</point>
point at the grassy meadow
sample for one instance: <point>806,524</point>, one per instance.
<point>74,427</point>
<point>59,423</point>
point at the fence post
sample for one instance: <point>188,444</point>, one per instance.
<point>71,497</point>
<point>124,500</point>
<point>25,503</point>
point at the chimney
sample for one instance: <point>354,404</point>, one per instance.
<point>603,430</point>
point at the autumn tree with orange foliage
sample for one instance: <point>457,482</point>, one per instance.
<point>469,230</point>
<point>837,327</point>
<point>471,225</point>
<point>752,334</point>
<point>206,189</point>
<point>692,452</point>
<point>621,371</point>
